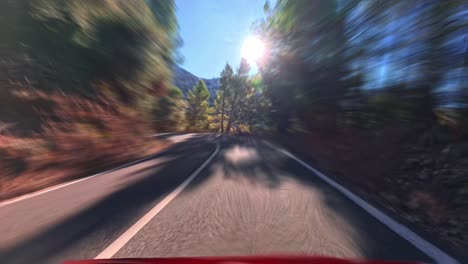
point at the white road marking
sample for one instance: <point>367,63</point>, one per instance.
<point>162,134</point>
<point>115,246</point>
<point>426,247</point>
<point>181,138</point>
<point>174,139</point>
<point>58,186</point>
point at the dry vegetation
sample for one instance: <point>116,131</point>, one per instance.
<point>77,137</point>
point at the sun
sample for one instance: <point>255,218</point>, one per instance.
<point>252,49</point>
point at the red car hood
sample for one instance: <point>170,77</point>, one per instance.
<point>236,260</point>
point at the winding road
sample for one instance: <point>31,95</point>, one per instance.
<point>208,195</point>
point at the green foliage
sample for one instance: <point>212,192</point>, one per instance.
<point>236,95</point>
<point>198,107</point>
<point>304,35</point>
<point>170,113</point>
<point>71,45</point>
<point>318,69</point>
<point>240,104</point>
<point>221,103</point>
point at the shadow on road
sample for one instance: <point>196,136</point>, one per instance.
<point>241,158</point>
<point>248,158</point>
<point>117,211</point>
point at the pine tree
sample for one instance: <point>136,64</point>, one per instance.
<point>226,79</point>
<point>198,107</point>
<point>238,92</point>
<point>170,112</point>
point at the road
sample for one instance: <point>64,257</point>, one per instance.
<point>248,198</point>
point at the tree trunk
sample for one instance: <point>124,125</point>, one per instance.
<point>231,117</point>
<point>222,115</point>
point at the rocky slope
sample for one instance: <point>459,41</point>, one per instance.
<point>185,81</point>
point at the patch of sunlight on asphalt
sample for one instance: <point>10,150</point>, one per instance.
<point>238,155</point>
<point>180,138</point>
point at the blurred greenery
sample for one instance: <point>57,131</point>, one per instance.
<point>198,108</point>
<point>170,113</point>
<point>331,64</point>
<point>240,104</point>
<point>75,46</point>
<point>82,84</point>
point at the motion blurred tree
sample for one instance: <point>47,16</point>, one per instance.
<point>218,115</point>
<point>72,45</point>
<point>257,105</point>
<point>226,79</point>
<point>198,107</point>
<point>328,61</point>
<point>236,94</point>
<point>303,37</point>
<point>170,112</point>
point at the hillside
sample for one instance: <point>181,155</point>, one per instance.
<point>186,80</point>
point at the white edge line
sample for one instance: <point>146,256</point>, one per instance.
<point>162,134</point>
<point>133,230</point>
<point>426,247</point>
<point>61,185</point>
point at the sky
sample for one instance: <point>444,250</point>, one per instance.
<point>213,32</point>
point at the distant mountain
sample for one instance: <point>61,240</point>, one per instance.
<point>185,81</point>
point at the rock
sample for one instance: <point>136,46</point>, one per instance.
<point>413,149</point>
<point>455,234</point>
<point>445,171</point>
<point>447,224</point>
<point>452,181</point>
<point>459,150</point>
<point>446,150</point>
<point>391,198</point>
<point>427,162</point>
<point>426,140</point>
<point>455,223</point>
<point>412,161</point>
<point>412,204</point>
<point>460,201</point>
<point>463,191</point>
<point>439,164</point>
<point>424,175</point>
<point>441,135</point>
<point>406,168</point>
<point>443,158</point>
<point>412,218</point>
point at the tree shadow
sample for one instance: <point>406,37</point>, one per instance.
<point>241,158</point>
<point>106,219</point>
<point>248,158</point>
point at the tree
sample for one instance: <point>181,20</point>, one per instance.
<point>72,45</point>
<point>226,79</point>
<point>240,100</point>
<point>198,107</point>
<point>255,105</point>
<point>170,112</point>
<point>321,52</point>
<point>237,93</point>
<point>306,54</point>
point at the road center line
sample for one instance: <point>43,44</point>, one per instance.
<point>420,243</point>
<point>133,230</point>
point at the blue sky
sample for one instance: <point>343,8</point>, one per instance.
<point>213,32</point>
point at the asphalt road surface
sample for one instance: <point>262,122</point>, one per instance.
<point>205,196</point>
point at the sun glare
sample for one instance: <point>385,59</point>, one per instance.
<point>252,49</point>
